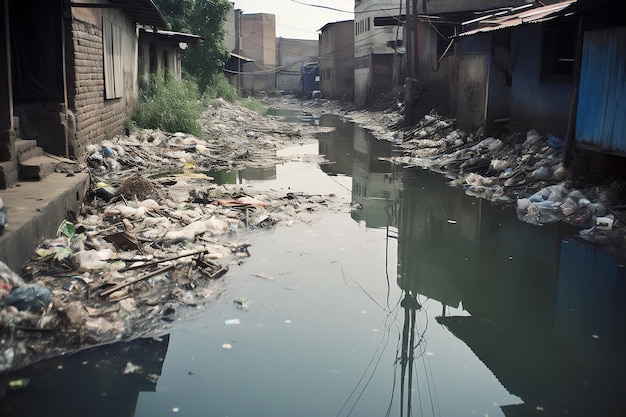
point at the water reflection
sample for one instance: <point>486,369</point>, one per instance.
<point>352,152</point>
<point>542,310</point>
<point>294,116</point>
<point>355,152</point>
<point>221,177</point>
<point>104,381</point>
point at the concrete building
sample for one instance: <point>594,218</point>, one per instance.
<point>378,50</point>
<point>236,64</point>
<point>291,55</point>
<point>337,60</point>
<point>258,38</point>
<point>260,61</point>
<point>231,37</point>
<point>258,42</point>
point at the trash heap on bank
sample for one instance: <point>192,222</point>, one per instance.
<point>154,238</point>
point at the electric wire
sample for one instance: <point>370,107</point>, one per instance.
<point>375,360</point>
<point>344,275</point>
<point>370,370</point>
<point>301,61</point>
<point>322,6</point>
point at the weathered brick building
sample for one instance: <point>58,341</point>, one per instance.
<point>68,76</point>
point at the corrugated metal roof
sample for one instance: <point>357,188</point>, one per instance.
<point>327,25</point>
<point>144,12</point>
<point>503,20</point>
<point>176,36</point>
<point>241,57</point>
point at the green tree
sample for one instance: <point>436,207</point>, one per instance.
<point>204,18</point>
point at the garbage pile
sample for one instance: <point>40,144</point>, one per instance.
<point>154,238</point>
<point>524,171</point>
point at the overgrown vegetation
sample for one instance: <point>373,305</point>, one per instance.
<point>204,18</point>
<point>170,105</point>
<point>177,106</point>
<point>253,104</point>
<point>220,87</point>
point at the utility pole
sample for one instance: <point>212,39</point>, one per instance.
<point>407,37</point>
<point>414,33</point>
<point>411,86</point>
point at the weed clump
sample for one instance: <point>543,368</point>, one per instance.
<point>169,104</point>
<point>221,88</point>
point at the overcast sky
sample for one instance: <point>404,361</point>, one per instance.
<point>296,20</point>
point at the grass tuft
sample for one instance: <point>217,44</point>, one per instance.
<point>170,105</point>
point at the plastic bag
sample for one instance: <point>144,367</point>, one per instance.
<point>30,297</point>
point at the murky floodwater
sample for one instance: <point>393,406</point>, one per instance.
<point>422,302</point>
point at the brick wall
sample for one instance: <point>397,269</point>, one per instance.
<point>96,119</point>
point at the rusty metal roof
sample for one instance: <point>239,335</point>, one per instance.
<point>514,17</point>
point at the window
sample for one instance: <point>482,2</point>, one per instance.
<point>113,69</point>
<point>363,26</point>
<point>445,33</point>
<point>558,51</point>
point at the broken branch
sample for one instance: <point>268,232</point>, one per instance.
<point>132,281</point>
<point>171,258</point>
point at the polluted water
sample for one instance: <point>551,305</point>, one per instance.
<point>418,301</point>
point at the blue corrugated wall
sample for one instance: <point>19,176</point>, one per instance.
<point>601,114</point>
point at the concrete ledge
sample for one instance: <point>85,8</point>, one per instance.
<point>8,174</point>
<point>34,211</point>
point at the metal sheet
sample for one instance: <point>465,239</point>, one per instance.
<point>503,20</point>
<point>601,112</point>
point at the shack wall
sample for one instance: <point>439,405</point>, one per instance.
<point>337,61</point>
<point>97,117</point>
<point>543,106</point>
<point>600,120</point>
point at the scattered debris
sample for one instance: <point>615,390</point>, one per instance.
<point>242,303</point>
<point>131,368</point>
<point>264,276</point>
<point>154,237</point>
<point>157,231</point>
<point>524,172</point>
